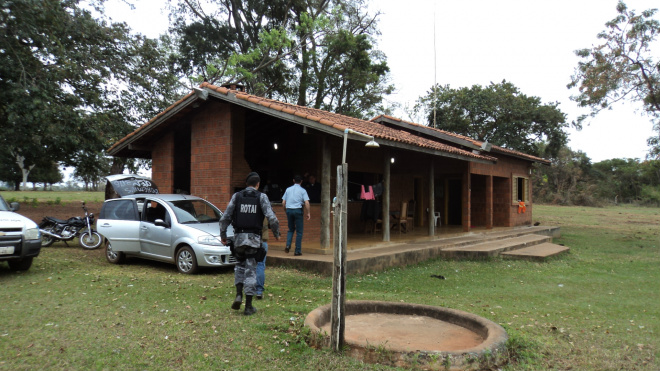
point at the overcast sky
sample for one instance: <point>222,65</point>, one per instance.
<point>529,43</point>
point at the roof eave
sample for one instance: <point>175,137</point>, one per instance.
<point>429,131</point>
<point>126,142</point>
<point>338,129</point>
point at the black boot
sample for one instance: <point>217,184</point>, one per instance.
<point>249,309</point>
<point>236,305</point>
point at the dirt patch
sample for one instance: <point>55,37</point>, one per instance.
<point>407,332</point>
<point>62,211</point>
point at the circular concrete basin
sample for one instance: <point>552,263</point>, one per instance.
<point>402,334</point>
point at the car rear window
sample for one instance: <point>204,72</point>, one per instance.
<point>119,210</point>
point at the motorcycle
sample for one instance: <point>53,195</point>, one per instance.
<point>53,230</point>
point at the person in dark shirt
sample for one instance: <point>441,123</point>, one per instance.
<point>313,189</point>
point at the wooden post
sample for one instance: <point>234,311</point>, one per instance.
<point>467,199</point>
<point>431,199</point>
<point>325,195</point>
<point>489,202</point>
<point>337,315</point>
<point>386,197</point>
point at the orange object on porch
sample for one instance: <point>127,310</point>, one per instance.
<point>521,207</point>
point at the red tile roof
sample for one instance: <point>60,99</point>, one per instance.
<point>340,123</point>
<point>468,139</point>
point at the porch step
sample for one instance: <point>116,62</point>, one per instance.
<point>494,247</point>
<point>537,252</point>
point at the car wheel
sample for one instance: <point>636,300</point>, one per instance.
<point>20,265</point>
<point>47,240</point>
<point>90,241</point>
<point>114,257</point>
<point>186,261</point>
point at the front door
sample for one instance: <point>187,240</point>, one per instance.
<point>156,240</point>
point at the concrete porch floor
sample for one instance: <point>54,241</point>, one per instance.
<point>368,253</point>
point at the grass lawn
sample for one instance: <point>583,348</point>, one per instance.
<point>27,197</point>
<point>596,308</point>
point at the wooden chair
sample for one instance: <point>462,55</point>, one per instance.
<point>411,214</point>
<point>402,219</point>
<point>378,226</point>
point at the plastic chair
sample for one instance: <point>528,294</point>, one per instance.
<point>436,216</point>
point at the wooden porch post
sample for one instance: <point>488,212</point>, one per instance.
<point>489,202</point>
<point>431,199</point>
<point>467,198</point>
<point>386,197</point>
<point>325,195</point>
<point>337,315</point>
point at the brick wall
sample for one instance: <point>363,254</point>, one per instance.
<point>162,163</point>
<point>312,228</point>
<point>240,168</point>
<point>211,158</point>
<point>480,207</point>
<point>505,211</point>
<point>501,202</point>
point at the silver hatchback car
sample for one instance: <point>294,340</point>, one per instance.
<point>174,228</point>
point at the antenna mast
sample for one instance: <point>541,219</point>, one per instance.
<point>435,72</point>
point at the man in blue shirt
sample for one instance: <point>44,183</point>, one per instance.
<point>295,202</point>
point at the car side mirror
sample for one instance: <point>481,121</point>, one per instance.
<point>161,223</point>
<point>15,206</point>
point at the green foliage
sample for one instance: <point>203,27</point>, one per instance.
<point>72,84</point>
<point>522,350</point>
<point>316,53</point>
<point>48,173</point>
<point>54,197</point>
<point>622,68</point>
<point>651,195</point>
<point>572,179</point>
<point>499,114</point>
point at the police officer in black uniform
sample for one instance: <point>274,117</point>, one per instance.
<point>246,212</point>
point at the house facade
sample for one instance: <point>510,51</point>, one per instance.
<point>206,143</point>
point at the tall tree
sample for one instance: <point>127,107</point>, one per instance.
<point>47,173</point>
<point>316,53</point>
<point>66,77</point>
<point>567,180</point>
<point>620,178</point>
<point>622,68</point>
<point>499,114</point>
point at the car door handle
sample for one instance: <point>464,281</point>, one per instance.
<point>144,228</point>
<point>106,225</point>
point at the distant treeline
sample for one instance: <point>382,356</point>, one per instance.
<point>573,180</point>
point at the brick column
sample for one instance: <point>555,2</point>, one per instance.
<point>210,160</point>
<point>162,163</point>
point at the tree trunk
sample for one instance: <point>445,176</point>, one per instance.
<point>304,75</point>
<point>20,161</point>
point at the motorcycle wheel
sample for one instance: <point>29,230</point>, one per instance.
<point>47,240</point>
<point>90,240</point>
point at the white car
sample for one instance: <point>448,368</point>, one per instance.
<point>175,228</point>
<point>20,240</point>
